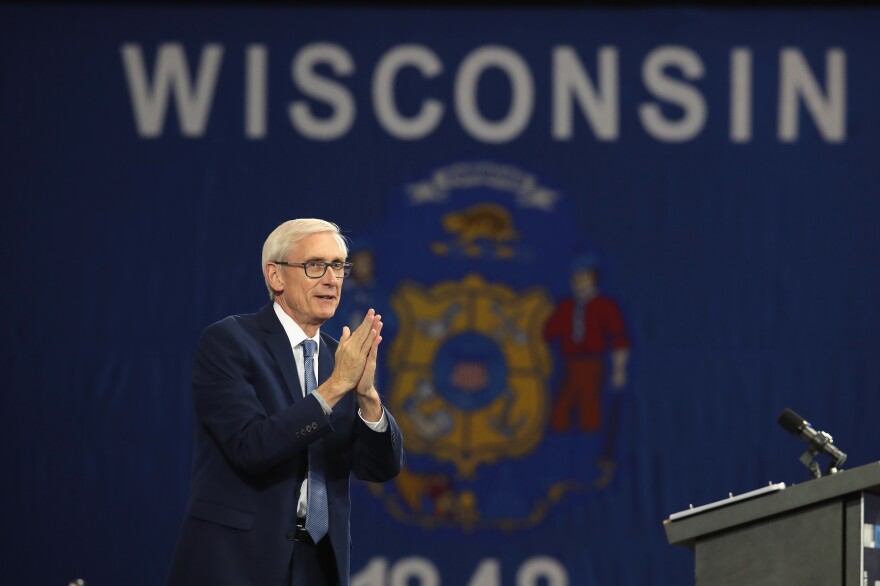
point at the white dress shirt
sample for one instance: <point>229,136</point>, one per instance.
<point>296,337</point>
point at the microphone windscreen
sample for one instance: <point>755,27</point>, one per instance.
<point>792,422</point>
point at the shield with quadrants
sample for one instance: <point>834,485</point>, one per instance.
<point>471,370</point>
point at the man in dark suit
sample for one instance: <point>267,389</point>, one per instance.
<point>274,449</point>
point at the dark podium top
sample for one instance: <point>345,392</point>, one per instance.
<point>806,533</point>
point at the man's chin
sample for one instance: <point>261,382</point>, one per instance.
<point>326,313</point>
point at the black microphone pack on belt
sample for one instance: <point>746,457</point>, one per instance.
<point>819,443</point>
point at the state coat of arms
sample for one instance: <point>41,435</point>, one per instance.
<point>502,357</point>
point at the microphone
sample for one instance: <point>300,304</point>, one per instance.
<point>819,441</point>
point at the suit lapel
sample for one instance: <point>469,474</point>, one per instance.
<point>326,361</point>
<point>279,346</point>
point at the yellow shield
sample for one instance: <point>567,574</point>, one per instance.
<point>470,371</point>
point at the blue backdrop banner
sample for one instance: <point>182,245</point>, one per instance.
<point>609,246</point>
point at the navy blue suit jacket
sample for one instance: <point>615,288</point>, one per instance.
<point>253,428</point>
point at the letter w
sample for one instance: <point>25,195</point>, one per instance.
<point>171,75</point>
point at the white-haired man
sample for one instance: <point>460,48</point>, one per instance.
<point>284,415</point>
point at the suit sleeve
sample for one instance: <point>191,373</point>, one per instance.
<point>377,456</point>
<point>227,403</point>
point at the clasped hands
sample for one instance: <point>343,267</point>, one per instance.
<point>356,367</point>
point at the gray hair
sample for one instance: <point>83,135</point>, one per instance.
<point>282,239</point>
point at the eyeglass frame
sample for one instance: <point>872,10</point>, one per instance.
<point>345,266</point>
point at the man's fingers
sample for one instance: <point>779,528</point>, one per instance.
<point>362,332</point>
<point>374,333</point>
<point>366,380</point>
<point>357,350</point>
<point>368,330</point>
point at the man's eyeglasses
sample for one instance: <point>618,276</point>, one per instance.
<point>315,269</point>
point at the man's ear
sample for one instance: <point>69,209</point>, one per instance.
<point>273,277</point>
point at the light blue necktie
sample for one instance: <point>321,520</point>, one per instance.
<point>317,521</point>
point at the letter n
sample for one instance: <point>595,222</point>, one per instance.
<point>796,83</point>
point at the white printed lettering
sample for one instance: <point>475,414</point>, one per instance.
<point>675,92</point>
<point>522,94</point>
<point>740,95</point>
<point>171,75</point>
<point>431,111</point>
<point>601,107</point>
<point>255,92</point>
<point>797,81</point>
<point>320,88</point>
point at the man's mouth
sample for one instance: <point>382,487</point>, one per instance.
<point>326,297</point>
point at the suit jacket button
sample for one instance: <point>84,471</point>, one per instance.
<point>291,536</point>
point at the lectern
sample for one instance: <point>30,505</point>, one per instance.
<point>823,532</point>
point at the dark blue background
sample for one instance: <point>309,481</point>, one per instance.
<point>748,271</point>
